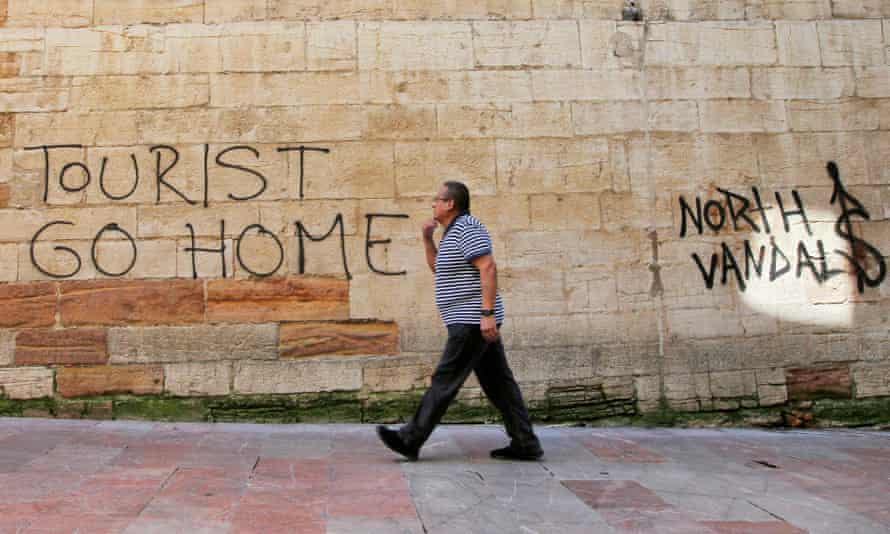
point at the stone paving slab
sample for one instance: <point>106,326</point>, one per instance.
<point>138,477</point>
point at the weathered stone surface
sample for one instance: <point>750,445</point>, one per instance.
<point>7,347</point>
<point>420,166</point>
<point>249,47</point>
<point>399,122</point>
<point>286,88</point>
<point>95,128</point>
<point>356,9</point>
<point>798,44</point>
<point>111,50</point>
<point>462,87</point>
<point>711,43</point>
<point>278,299</point>
<point>27,304</point>
<point>148,11</point>
<point>873,82</point>
<point>216,11</point>
<point>517,120</point>
<point>743,116</point>
<point>331,45</point>
<point>398,373</point>
<point>298,340</point>
<point>33,95</point>
<point>66,13</point>
<point>104,380</point>
<point>554,166</point>
<point>415,46</point>
<point>839,115</point>
<point>810,383</point>
<point>848,42</point>
<point>871,379</point>
<point>190,379</point>
<point>790,83</point>
<point>26,382</point>
<point>564,212</point>
<point>298,376</point>
<point>790,9</point>
<point>733,384</point>
<point>180,344</point>
<point>129,92</point>
<point>5,194</point>
<point>607,84</point>
<point>526,44</point>
<point>131,302</point>
<point>61,347</point>
<point>697,82</point>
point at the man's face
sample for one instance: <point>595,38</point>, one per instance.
<point>441,205</point>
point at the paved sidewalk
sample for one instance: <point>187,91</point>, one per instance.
<point>95,477</point>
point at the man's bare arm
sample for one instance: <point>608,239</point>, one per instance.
<point>429,246</point>
<point>488,277</point>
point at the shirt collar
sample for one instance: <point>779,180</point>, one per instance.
<point>459,215</point>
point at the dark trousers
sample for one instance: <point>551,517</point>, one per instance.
<point>467,351</point>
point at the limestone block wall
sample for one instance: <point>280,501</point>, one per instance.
<point>220,201</point>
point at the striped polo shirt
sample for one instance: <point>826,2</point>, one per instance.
<point>458,289</point>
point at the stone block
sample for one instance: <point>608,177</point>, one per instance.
<point>349,171</point>
<point>131,302</point>
<point>798,44</point>
<point>278,299</point>
<point>771,395</point>
<point>562,85</point>
<point>837,115</point>
<point>127,92</point>
<point>463,87</point>
<point>811,383</point>
<point>606,44</point>
<point>199,343</point>
<point>462,9</point>
<point>531,292</point>
<point>108,380</point>
<point>7,347</point>
<point>298,376</point>
<point>22,40</point>
<point>97,128</point>
<point>591,291</point>
<point>300,340</point>
<point>565,212</point>
<point>567,363</point>
<point>554,166</point>
<point>397,374</point>
<point>703,323</point>
<point>65,13</point>
<point>500,214</point>
<point>110,50</point>
<point>399,122</point>
<point>310,124</point>
<point>286,88</point>
<point>193,379</point>
<point>743,116</point>
<point>860,9</point>
<point>166,221</point>
<point>849,42</point>
<point>733,384</point>
<point>355,9</point>
<point>7,128</point>
<point>26,382</point>
<point>798,160</point>
<point>217,11</point>
<point>518,120</point>
<point>687,387</point>
<point>617,117</point>
<point>331,45</point>
<point>61,347</point>
<point>148,11</point>
<point>9,258</point>
<point>873,82</point>
<point>526,44</point>
<point>871,379</point>
<point>786,83</point>
<point>27,305</point>
<point>711,43</point>
<point>261,47</point>
<point>576,9</point>
<point>395,46</point>
<point>790,9</point>
<point>33,95</point>
<point>421,167</point>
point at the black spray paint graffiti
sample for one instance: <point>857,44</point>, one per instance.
<point>864,259</point>
<point>166,158</point>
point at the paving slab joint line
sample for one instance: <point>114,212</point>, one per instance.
<point>780,518</point>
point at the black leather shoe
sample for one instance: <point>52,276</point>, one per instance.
<point>511,453</point>
<point>391,439</point>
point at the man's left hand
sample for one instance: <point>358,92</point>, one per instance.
<point>489,328</point>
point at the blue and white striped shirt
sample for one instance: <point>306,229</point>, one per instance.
<point>458,287</point>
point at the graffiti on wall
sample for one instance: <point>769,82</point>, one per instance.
<point>810,255</point>
<point>166,159</point>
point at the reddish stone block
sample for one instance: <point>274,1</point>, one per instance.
<point>29,304</point>
<point>45,346</point>
<point>808,383</point>
<point>87,381</point>
<point>5,193</point>
<point>615,494</point>
<point>298,340</point>
<point>112,302</point>
<point>9,65</point>
<point>278,299</point>
<point>7,123</point>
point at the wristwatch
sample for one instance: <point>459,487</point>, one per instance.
<point>484,312</point>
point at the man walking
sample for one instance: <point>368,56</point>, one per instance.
<point>470,307</point>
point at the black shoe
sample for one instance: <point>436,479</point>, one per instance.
<point>511,453</point>
<point>391,439</point>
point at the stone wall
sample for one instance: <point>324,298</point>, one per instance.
<point>220,200</point>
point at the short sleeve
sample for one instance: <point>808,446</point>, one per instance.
<point>475,242</point>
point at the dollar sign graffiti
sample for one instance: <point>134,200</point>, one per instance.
<point>851,206</point>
